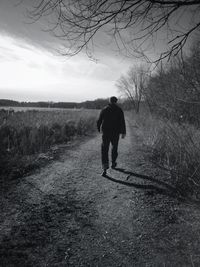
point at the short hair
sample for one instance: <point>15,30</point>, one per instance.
<point>113,99</point>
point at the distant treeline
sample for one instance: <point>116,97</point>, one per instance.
<point>92,104</point>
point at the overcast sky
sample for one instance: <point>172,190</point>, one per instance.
<point>31,71</point>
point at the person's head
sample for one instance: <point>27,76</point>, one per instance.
<point>113,100</point>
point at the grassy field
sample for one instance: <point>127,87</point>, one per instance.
<point>29,132</point>
<point>31,117</point>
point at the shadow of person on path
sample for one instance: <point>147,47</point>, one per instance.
<point>145,177</point>
<point>165,188</point>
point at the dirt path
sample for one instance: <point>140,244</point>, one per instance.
<point>68,215</point>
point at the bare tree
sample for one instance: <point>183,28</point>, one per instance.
<point>132,85</point>
<point>133,24</point>
<point>174,90</point>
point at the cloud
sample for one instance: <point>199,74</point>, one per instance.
<point>34,73</point>
<point>30,69</point>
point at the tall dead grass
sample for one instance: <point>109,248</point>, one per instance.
<point>31,132</point>
<point>174,147</point>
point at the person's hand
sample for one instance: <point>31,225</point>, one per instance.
<point>123,136</point>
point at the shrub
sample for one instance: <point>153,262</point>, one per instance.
<point>56,133</point>
<point>85,126</point>
<point>69,130</point>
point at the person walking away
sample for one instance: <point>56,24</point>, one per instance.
<point>111,123</point>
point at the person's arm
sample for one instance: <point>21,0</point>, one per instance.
<point>99,121</point>
<point>123,136</point>
<point>123,125</point>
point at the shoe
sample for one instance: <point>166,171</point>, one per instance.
<point>114,165</point>
<point>104,173</point>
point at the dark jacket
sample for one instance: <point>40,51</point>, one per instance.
<point>111,120</point>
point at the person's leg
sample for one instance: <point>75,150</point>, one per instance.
<point>104,151</point>
<point>114,142</point>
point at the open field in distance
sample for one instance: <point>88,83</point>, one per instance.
<point>36,108</point>
<point>37,116</point>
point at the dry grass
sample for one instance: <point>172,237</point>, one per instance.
<point>30,132</point>
<point>35,118</point>
<point>174,147</point>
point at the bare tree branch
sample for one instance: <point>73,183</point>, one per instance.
<point>133,24</point>
<point>132,84</point>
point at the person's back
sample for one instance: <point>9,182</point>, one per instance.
<point>111,122</point>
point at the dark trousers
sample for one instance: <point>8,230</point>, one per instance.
<point>106,140</point>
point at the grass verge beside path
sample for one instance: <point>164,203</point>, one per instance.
<point>30,139</point>
<point>173,148</point>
